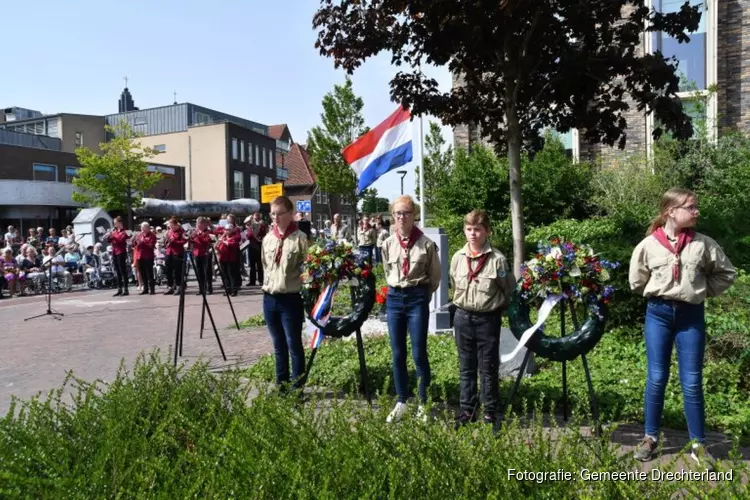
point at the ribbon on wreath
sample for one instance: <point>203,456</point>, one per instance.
<point>544,311</point>
<point>321,313</point>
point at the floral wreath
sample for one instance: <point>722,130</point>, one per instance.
<point>325,266</point>
<point>562,271</point>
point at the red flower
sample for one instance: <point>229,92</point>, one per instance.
<point>365,272</point>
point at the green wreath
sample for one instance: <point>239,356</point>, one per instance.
<point>564,348</point>
<point>363,300</point>
<point>331,263</point>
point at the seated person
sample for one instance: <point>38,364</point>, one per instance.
<point>32,267</point>
<point>91,265</point>
<point>57,268</point>
<point>11,272</point>
<point>72,259</point>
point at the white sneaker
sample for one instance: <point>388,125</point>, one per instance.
<point>397,413</point>
<point>422,413</point>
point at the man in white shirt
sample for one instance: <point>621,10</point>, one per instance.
<point>57,268</point>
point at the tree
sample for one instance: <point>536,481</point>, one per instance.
<point>342,123</point>
<point>522,65</point>
<point>117,178</point>
<point>437,166</point>
<point>372,203</point>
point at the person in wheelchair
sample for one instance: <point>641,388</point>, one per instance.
<point>160,265</point>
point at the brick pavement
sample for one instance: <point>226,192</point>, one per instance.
<point>98,331</point>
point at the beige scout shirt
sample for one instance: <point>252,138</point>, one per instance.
<point>366,237</point>
<point>424,263</point>
<point>705,270</point>
<point>283,277</point>
<point>340,232</point>
<point>493,286</point>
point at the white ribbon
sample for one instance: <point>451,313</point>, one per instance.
<point>544,312</point>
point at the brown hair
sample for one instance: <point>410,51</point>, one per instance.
<point>404,198</point>
<point>673,198</point>
<point>283,201</point>
<point>477,218</point>
<point>174,219</point>
<point>117,219</point>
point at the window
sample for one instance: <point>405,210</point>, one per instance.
<point>257,155</point>
<point>79,139</point>
<point>160,148</point>
<point>267,180</point>
<point>44,172</point>
<point>263,157</point>
<point>319,221</point>
<point>270,158</point>
<point>691,57</point>
<point>234,148</point>
<point>239,185</point>
<point>254,188</point>
<point>242,151</point>
<point>321,197</point>
<point>70,172</point>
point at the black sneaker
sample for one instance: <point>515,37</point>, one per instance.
<point>125,293</point>
<point>645,450</point>
<point>169,291</point>
<point>119,292</point>
<point>144,292</point>
<point>464,418</point>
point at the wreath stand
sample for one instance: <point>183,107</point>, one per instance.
<point>362,305</point>
<point>530,349</point>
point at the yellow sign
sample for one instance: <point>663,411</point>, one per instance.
<point>270,191</point>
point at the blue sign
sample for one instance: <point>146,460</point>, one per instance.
<point>304,206</point>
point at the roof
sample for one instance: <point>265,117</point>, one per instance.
<point>276,131</point>
<point>297,161</point>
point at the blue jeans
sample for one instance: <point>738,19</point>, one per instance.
<point>284,316</point>
<point>682,324</point>
<point>408,308</point>
<point>378,255</point>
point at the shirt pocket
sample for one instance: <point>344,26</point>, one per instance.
<point>694,271</point>
<point>661,270</point>
<point>417,262</point>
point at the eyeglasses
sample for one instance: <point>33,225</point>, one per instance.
<point>402,214</point>
<point>278,214</point>
<point>690,208</point>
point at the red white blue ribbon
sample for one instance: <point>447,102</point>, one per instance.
<point>321,313</point>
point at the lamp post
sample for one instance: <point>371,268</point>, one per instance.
<point>403,174</point>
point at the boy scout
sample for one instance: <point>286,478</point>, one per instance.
<point>482,282</point>
<point>283,252</point>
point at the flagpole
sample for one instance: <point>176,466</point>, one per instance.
<point>422,213</point>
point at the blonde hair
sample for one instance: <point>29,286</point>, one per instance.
<point>673,198</point>
<point>406,199</point>
<point>477,218</point>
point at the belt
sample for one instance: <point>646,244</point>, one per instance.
<point>495,312</point>
<point>400,288</point>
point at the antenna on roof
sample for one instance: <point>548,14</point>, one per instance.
<point>175,96</point>
<point>126,81</point>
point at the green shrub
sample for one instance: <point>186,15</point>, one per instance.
<point>162,432</point>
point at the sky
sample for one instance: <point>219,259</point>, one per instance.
<point>254,59</point>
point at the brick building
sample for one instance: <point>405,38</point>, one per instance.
<point>717,55</point>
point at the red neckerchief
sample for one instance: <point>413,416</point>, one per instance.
<point>292,227</point>
<point>686,236</point>
<point>407,245</point>
<point>474,273</point>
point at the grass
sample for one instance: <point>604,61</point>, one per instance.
<point>163,432</point>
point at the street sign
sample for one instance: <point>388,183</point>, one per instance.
<point>270,191</point>
<point>304,206</point>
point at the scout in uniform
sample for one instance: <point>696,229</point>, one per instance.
<point>283,252</point>
<point>676,268</point>
<point>366,237</point>
<point>482,281</point>
<point>412,270</point>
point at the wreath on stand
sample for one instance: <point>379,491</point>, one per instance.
<point>325,267</point>
<point>569,273</point>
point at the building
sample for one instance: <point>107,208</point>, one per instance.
<point>72,130</point>
<point>718,56</point>
<point>36,176</point>
<point>225,157</point>
<point>302,182</point>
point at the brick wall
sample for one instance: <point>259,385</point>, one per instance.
<point>733,64</point>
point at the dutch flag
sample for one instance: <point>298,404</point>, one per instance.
<point>382,149</point>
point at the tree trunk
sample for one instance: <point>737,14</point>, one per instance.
<point>516,201</point>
